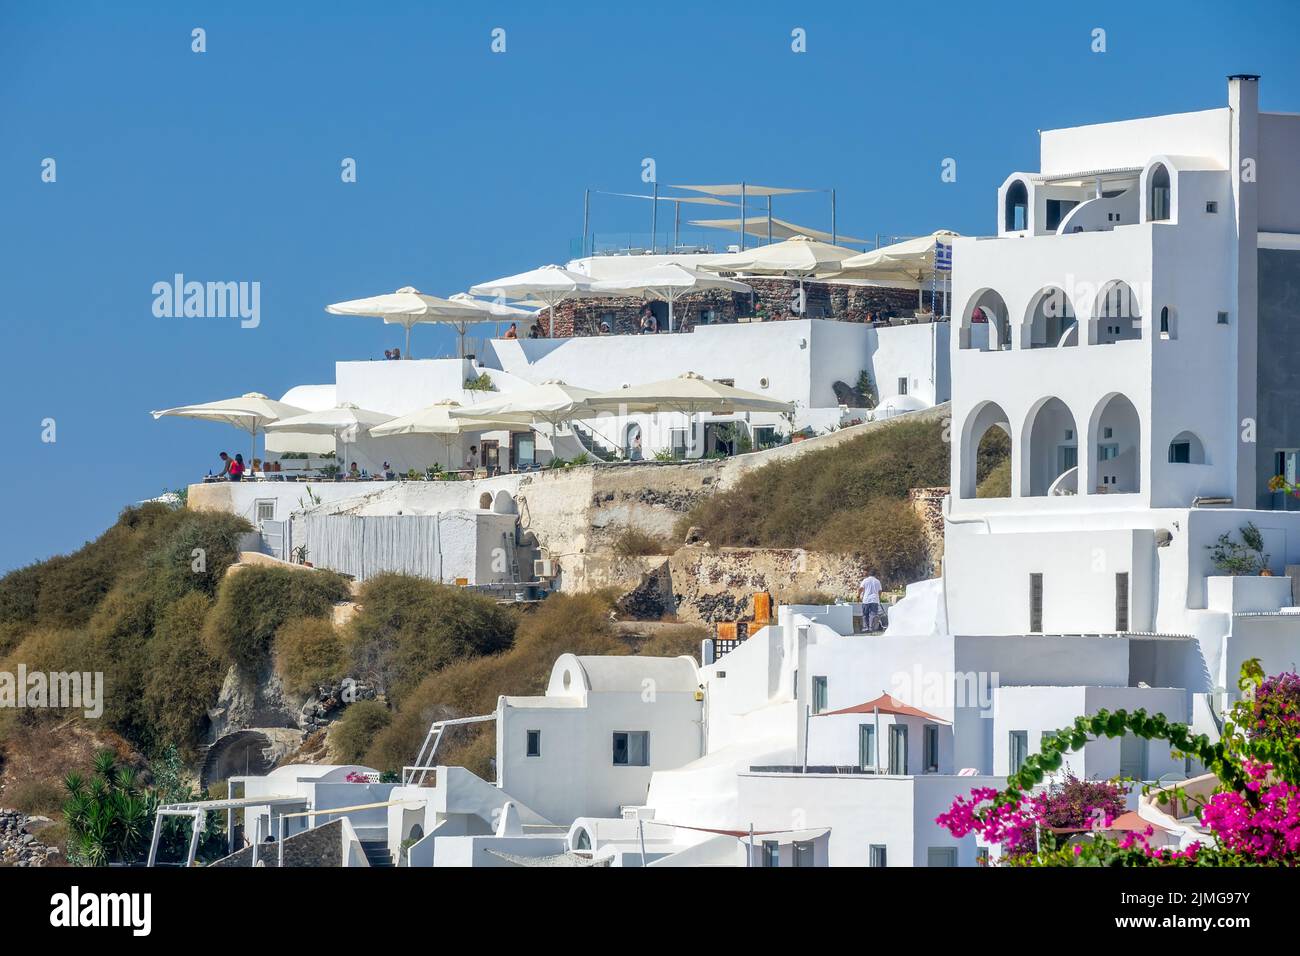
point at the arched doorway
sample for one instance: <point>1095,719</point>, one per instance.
<point>1117,314</point>
<point>985,464</point>
<point>1159,194</point>
<point>984,324</point>
<point>1116,442</point>
<point>632,442</point>
<point>1016,212</point>
<point>1049,452</point>
<point>1050,321</point>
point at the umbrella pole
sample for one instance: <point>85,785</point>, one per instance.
<point>408,341</point>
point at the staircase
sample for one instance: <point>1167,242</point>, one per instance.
<point>377,853</point>
<point>592,444</point>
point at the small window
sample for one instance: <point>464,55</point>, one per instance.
<point>878,855</point>
<point>534,746</point>
<point>771,853</point>
<point>1158,204</point>
<point>931,748</point>
<point>266,509</point>
<point>818,694</point>
<point>1121,601</point>
<point>981,856</point>
<point>1223,318</point>
<point>941,856</point>
<point>1180,452</point>
<point>1035,603</point>
<point>631,748</point>
<point>803,853</point>
<point>1166,324</point>
<point>1018,750</point>
<point>1211,206</point>
<point>902,385</point>
<point>1017,208</point>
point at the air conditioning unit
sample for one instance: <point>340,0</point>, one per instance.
<point>543,568</point>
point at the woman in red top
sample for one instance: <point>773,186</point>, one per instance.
<point>237,468</point>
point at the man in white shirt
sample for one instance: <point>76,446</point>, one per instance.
<point>869,590</point>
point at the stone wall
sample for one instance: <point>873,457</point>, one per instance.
<point>321,846</point>
<point>772,297</point>
<point>928,505</point>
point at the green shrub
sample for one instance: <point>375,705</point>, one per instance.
<point>119,637</point>
<point>632,542</point>
<point>993,465</point>
<point>788,504</point>
<point>887,535</point>
<point>408,627</point>
<point>355,732</point>
<point>183,677</point>
<point>255,601</point>
<point>577,624</point>
<point>997,482</point>
<point>309,651</point>
<point>33,797</point>
<point>195,556</point>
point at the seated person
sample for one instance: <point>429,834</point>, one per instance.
<point>513,331</point>
<point>353,471</point>
<point>604,328</point>
<point>388,472</point>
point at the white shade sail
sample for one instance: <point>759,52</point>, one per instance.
<point>763,226</point>
<point>550,284</point>
<point>668,282</point>
<point>910,260</point>
<point>408,307</point>
<point>799,256</point>
<point>251,411</point>
<point>749,190</point>
<point>689,394</point>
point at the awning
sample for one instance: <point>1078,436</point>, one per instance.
<point>746,189</point>
<point>781,229</point>
<point>885,704</point>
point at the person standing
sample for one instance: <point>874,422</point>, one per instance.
<point>236,469</point>
<point>226,462</point>
<point>869,590</point>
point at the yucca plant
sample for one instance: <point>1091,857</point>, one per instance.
<point>109,817</point>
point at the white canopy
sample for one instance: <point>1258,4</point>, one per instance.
<point>910,260</point>
<point>436,420</point>
<point>689,394</point>
<point>408,307</point>
<point>798,256</point>
<point>251,411</point>
<point>551,284</point>
<point>552,402</point>
<point>668,282</point>
<point>343,421</point>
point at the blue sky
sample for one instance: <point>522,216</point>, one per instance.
<point>225,166</point>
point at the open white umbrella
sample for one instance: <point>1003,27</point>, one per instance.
<point>408,307</point>
<point>667,282</point>
<point>251,411</point>
<point>689,394</point>
<point>550,284</point>
<point>494,311</point>
<point>910,260</point>
<point>799,256</point>
<point>343,422</point>
<point>436,420</point>
<point>552,402</point>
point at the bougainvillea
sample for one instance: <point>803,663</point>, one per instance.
<point>1253,817</point>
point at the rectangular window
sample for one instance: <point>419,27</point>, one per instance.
<point>866,746</point>
<point>931,748</point>
<point>631,748</point>
<point>981,856</point>
<point>1211,206</point>
<point>771,853</point>
<point>678,437</point>
<point>941,856</point>
<point>902,385</point>
<point>898,749</point>
<point>1121,601</point>
<point>534,748</point>
<point>1056,212</point>
<point>1223,318</point>
<point>1018,750</point>
<point>818,694</point>
<point>265,509</point>
<point>803,853</point>
<point>1035,602</point>
<point>878,856</point>
<point>1180,452</point>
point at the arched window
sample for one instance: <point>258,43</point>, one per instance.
<point>1186,449</point>
<point>1017,208</point>
<point>1158,192</point>
<point>582,839</point>
<point>1166,322</point>
<point>1117,314</point>
<point>1050,322</point>
<point>985,325</point>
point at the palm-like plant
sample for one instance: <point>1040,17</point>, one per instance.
<point>109,816</point>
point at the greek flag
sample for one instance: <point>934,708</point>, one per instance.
<point>942,257</point>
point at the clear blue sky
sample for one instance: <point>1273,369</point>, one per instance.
<point>225,166</point>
